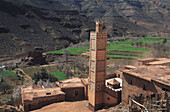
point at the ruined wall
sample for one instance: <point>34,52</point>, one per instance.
<point>37,103</point>
<point>72,95</point>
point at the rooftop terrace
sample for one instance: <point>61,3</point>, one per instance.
<point>32,92</point>
<point>159,74</point>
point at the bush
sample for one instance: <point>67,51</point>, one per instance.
<point>44,76</point>
<point>4,85</point>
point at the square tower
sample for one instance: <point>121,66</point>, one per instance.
<point>97,68</point>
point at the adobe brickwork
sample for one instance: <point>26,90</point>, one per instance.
<point>97,70</point>
<point>39,102</point>
<point>74,94</point>
<point>145,80</point>
<point>98,93</point>
<point>35,97</point>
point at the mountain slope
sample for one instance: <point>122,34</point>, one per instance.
<point>26,24</point>
<point>55,24</point>
<point>127,17</point>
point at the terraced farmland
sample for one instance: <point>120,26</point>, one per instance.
<point>121,49</point>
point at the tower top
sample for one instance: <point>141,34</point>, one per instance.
<point>99,26</point>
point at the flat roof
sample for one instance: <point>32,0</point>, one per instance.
<point>147,59</point>
<point>155,61</point>
<point>160,74</point>
<point>160,61</point>
<point>72,83</point>
<point>29,92</point>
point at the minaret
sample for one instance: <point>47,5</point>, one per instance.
<point>97,69</point>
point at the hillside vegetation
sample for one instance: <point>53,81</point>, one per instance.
<point>124,49</point>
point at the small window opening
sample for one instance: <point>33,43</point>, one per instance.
<point>100,65</point>
<point>108,98</point>
<point>130,82</point>
<point>48,93</point>
<point>164,89</point>
<point>76,92</point>
<point>153,95</point>
<point>144,87</point>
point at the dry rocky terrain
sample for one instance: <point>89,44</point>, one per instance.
<point>55,24</point>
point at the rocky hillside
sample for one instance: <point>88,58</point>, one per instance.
<point>55,24</point>
<point>127,17</point>
<point>47,24</point>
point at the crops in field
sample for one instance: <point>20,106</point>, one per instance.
<point>121,49</point>
<point>59,75</point>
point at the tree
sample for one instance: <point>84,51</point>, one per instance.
<point>164,41</point>
<point>66,53</point>
<point>4,85</point>
<point>46,84</point>
<point>44,76</point>
<point>132,44</point>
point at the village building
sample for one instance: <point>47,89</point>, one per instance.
<point>150,79</point>
<point>75,88</point>
<point>35,97</point>
<point>154,61</point>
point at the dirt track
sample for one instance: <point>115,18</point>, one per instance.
<point>79,106</point>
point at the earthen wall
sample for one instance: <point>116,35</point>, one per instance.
<point>39,102</point>
<point>72,95</point>
<point>134,86</point>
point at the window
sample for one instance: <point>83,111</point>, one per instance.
<point>100,65</point>
<point>76,92</point>
<point>164,89</point>
<point>153,95</point>
<point>130,82</point>
<point>108,98</point>
<point>144,87</point>
<point>119,76</point>
<point>48,93</point>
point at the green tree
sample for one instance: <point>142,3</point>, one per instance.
<point>44,76</point>
<point>4,85</point>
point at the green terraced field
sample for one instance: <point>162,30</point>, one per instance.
<point>72,50</point>
<point>7,73</point>
<point>59,75</point>
<point>120,46</point>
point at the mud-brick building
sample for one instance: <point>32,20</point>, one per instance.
<point>146,80</point>
<point>75,88</point>
<point>34,97</point>
<point>154,61</point>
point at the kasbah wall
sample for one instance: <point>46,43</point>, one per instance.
<point>134,86</point>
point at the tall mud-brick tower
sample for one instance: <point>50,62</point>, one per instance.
<point>97,70</point>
